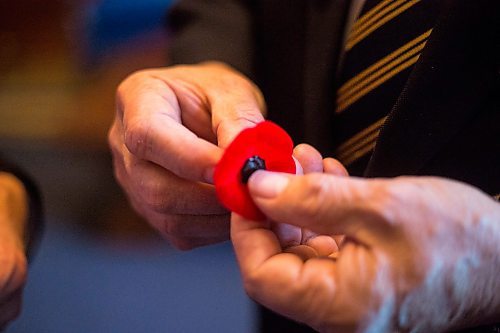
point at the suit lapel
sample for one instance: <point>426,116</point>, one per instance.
<point>456,70</point>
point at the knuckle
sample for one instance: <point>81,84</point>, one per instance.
<point>131,85</point>
<point>137,137</point>
<point>112,137</point>
<point>129,81</point>
<point>134,78</point>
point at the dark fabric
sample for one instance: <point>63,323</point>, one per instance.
<point>445,122</point>
<point>352,118</point>
<point>270,322</point>
<point>35,217</point>
<point>212,30</point>
<point>268,41</point>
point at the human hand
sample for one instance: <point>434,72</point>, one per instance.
<point>296,239</point>
<point>13,266</point>
<point>169,132</point>
<point>420,253</point>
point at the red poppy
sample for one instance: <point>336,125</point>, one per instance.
<point>265,146</point>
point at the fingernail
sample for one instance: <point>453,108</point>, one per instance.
<point>267,184</point>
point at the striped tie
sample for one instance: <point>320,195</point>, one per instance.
<point>381,49</point>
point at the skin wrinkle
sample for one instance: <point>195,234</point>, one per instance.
<point>146,86</point>
<point>236,85</point>
<point>310,204</point>
<point>136,134</point>
<point>179,87</point>
<point>220,127</point>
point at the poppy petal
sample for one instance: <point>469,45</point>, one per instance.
<point>266,140</point>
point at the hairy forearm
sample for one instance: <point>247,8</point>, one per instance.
<point>463,292</point>
<point>483,267</point>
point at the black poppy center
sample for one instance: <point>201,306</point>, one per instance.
<point>251,165</point>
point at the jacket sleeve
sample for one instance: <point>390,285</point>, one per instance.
<point>35,216</point>
<point>219,30</point>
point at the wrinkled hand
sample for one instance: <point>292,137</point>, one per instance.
<point>420,253</point>
<point>170,129</point>
<point>299,240</point>
<point>13,266</point>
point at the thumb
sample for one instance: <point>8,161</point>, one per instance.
<point>323,203</point>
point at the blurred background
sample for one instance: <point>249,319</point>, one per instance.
<point>99,268</point>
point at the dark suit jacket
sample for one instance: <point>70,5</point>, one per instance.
<point>446,121</point>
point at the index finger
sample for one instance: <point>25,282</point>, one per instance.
<point>153,131</point>
<point>276,279</point>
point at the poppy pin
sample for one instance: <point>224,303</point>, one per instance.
<point>263,147</point>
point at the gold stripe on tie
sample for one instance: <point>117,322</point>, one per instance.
<point>359,144</point>
<point>359,153</point>
<point>372,16</point>
<point>380,72</point>
<point>362,35</point>
<point>361,20</point>
<point>359,150</point>
<point>378,82</point>
<point>369,71</point>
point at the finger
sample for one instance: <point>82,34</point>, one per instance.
<point>334,167</point>
<point>324,203</point>
<point>13,270</point>
<point>153,130</point>
<point>10,308</point>
<point>309,158</point>
<point>238,108</point>
<point>339,240</point>
<point>323,245</point>
<point>254,243</point>
<point>304,252</point>
<point>288,235</point>
<point>191,226</point>
<point>281,281</point>
<point>265,269</point>
<point>164,192</point>
<point>278,280</point>
<point>310,161</point>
